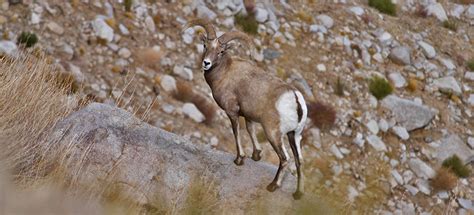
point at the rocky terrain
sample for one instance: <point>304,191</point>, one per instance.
<point>381,155</point>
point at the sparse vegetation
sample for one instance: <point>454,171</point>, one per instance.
<point>27,39</point>
<point>454,163</point>
<point>339,88</point>
<point>412,85</point>
<point>379,87</point>
<point>451,25</point>
<point>247,23</point>
<point>444,179</point>
<point>384,6</point>
<point>128,5</point>
<point>322,116</point>
<point>470,64</point>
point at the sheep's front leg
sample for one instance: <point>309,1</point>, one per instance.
<point>234,120</point>
<point>257,149</point>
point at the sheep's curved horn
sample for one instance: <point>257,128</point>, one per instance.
<point>211,33</point>
<point>235,35</point>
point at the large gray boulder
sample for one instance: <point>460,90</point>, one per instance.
<point>453,145</point>
<point>109,144</point>
<point>408,113</point>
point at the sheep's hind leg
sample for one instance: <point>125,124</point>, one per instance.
<point>257,149</point>
<point>234,120</point>
<point>277,144</point>
<point>294,140</point>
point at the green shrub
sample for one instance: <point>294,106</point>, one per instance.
<point>384,6</point>
<point>470,64</point>
<point>248,23</point>
<point>451,25</point>
<point>379,87</point>
<point>455,164</point>
<point>27,39</point>
<point>128,5</point>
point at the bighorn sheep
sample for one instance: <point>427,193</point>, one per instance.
<point>241,88</point>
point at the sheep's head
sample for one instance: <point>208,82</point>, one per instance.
<point>216,48</point>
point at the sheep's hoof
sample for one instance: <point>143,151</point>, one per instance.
<point>272,187</point>
<point>239,161</point>
<point>256,155</point>
<point>297,195</point>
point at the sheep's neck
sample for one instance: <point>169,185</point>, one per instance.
<point>218,71</point>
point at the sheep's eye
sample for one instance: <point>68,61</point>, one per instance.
<point>204,46</point>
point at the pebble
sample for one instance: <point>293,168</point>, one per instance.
<point>55,28</point>
<point>401,132</point>
<point>190,110</point>
<point>168,83</point>
<point>376,143</point>
<point>124,53</point>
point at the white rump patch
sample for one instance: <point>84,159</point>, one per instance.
<point>287,109</point>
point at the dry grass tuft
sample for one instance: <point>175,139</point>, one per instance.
<point>322,116</point>
<point>445,179</point>
<point>412,85</point>
<point>185,93</point>
<point>149,57</point>
<point>33,99</point>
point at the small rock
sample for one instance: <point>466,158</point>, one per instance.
<point>352,193</point>
<point>452,145</point>
<point>466,203</point>
<point>359,140</point>
<point>470,142</point>
<point>448,64</point>
<point>150,24</point>
<point>190,110</point>
<point>411,189</point>
<point>261,15</point>
<point>443,195</point>
<point>102,30</point>
<point>383,125</point>
<point>437,10</point>
<point>124,53</point>
<point>376,143</point>
<point>55,28</point>
<point>270,54</point>
<point>372,126</point>
<point>357,10</point>
<point>398,178</point>
<point>335,151</point>
<point>427,49</point>
<point>423,186</point>
<point>321,68</point>
<point>448,85</point>
<point>35,19</point>
<point>325,20</point>
<point>214,141</point>
<point>401,55</point>
<point>205,13</point>
<point>469,76</point>
<point>397,79</point>
<point>183,72</point>
<point>470,100</point>
<point>124,30</point>
<point>470,12</point>
<point>456,11</point>
<point>401,132</point>
<point>7,47</point>
<point>168,83</point>
<point>421,169</point>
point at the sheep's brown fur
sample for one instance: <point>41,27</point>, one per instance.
<point>242,89</point>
